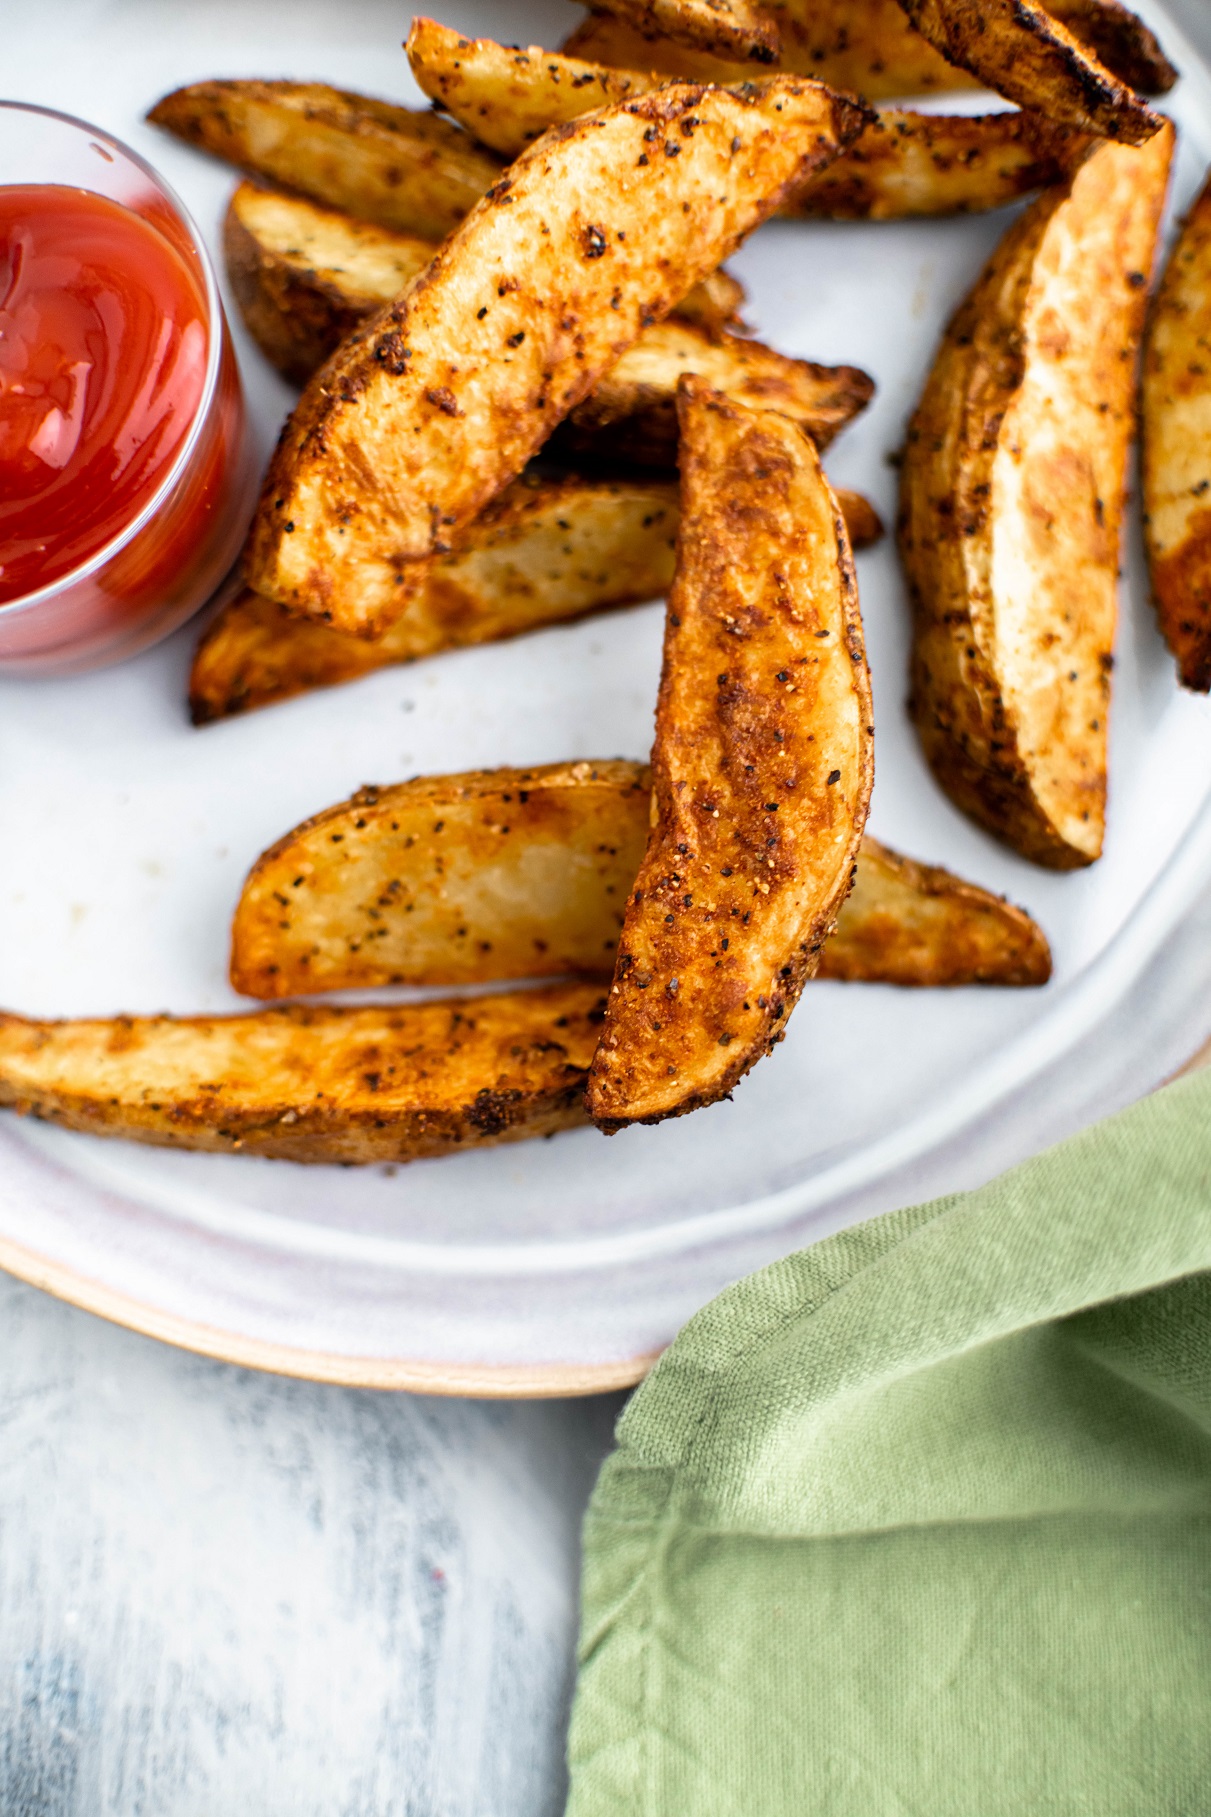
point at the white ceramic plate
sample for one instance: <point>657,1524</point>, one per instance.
<point>125,836</point>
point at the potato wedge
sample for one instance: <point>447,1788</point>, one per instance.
<point>1011,508</point>
<point>397,1082</point>
<point>736,29</point>
<point>864,45</point>
<point>404,169</point>
<point>907,164</point>
<point>593,234</point>
<point>919,925</point>
<point>506,96</point>
<point>1026,54</point>
<point>305,277</point>
<point>1176,465</point>
<point>762,769</point>
<point>631,413</point>
<point>509,874</point>
<point>541,554</point>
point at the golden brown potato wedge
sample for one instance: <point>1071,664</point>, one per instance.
<point>907,164</point>
<point>404,169</point>
<point>736,29</point>
<point>508,874</point>
<point>1176,411</point>
<point>1026,54</point>
<point>305,276</point>
<point>631,413</point>
<point>393,1082</point>
<point>916,924</point>
<point>506,96</point>
<point>543,553</point>
<point>1012,503</point>
<point>592,235</point>
<point>762,768</point>
<point>479,878</point>
<point>869,45</point>
<point>865,45</point>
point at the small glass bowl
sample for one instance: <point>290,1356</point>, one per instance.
<point>177,549</point>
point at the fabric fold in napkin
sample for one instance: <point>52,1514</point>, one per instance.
<point>917,1522</point>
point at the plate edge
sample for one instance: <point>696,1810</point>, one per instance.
<point>411,1375</point>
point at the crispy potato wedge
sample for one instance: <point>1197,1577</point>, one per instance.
<point>1176,465</point>
<point>869,46</point>
<point>907,164</point>
<point>864,45</point>
<point>305,277</point>
<point>903,163</point>
<point>508,874</point>
<point>762,769</point>
<point>631,413</point>
<point>484,877</point>
<point>1026,54</point>
<point>398,1082</point>
<point>506,96</point>
<point>541,554</point>
<point>735,29</point>
<point>401,168</point>
<point>593,234</point>
<point>918,925</point>
<point>1011,508</point>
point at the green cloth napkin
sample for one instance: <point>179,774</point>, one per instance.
<point>918,1521</point>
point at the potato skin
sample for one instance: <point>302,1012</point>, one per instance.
<point>504,874</point>
<point>1011,509</point>
<point>427,412</point>
<point>385,1083</point>
<point>1176,465</point>
<point>1025,53</point>
<point>543,553</point>
<point>762,769</point>
<point>404,169</point>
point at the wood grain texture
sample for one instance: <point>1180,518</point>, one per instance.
<point>223,1591</point>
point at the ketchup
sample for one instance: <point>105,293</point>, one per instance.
<point>103,352</point>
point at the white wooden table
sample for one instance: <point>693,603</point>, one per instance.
<point>224,1592</point>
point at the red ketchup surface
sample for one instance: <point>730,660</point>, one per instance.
<point>103,350</point>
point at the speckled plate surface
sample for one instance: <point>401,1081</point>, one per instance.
<point>561,1265</point>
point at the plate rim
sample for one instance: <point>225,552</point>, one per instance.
<point>399,1374</point>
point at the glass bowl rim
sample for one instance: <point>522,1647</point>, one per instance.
<point>214,355</point>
